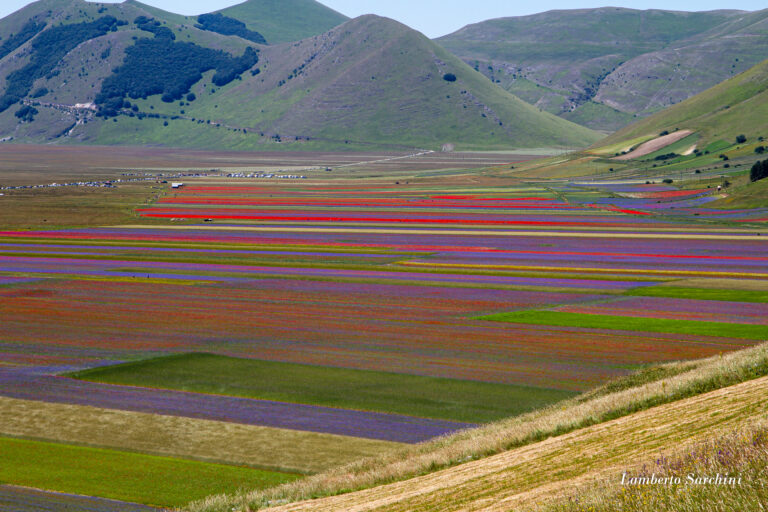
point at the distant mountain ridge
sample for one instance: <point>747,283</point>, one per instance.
<point>602,67</point>
<point>131,74</point>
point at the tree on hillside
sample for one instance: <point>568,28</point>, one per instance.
<point>759,171</point>
<point>228,26</point>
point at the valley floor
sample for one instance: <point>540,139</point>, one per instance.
<point>388,309</point>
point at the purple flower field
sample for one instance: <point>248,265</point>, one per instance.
<point>22,499</point>
<point>33,384</point>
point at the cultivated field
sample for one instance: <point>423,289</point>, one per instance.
<point>247,332</point>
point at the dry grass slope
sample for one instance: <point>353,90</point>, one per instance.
<point>518,456</point>
<point>741,454</point>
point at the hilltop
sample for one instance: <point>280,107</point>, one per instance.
<point>283,21</point>
<point>130,74</point>
<point>604,67</point>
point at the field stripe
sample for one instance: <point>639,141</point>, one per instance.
<point>25,499</point>
<point>17,383</point>
<point>174,436</point>
<point>633,323</point>
<point>468,232</point>
<point>132,477</point>
<point>653,272</point>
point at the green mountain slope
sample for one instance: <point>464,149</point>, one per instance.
<point>151,77</point>
<point>282,21</point>
<point>601,67</point>
<point>737,106</point>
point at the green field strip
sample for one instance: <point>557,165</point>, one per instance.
<point>628,323</point>
<point>675,292</point>
<point>218,442</point>
<point>147,479</point>
<point>412,395</point>
<point>618,147</point>
<point>717,145</point>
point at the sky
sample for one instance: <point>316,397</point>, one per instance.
<point>439,17</point>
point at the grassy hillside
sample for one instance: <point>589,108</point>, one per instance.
<point>283,21</point>
<point>736,106</point>
<point>520,462</point>
<point>371,81</point>
<point>633,62</point>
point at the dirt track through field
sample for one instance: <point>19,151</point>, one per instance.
<point>646,148</point>
<point>521,478</point>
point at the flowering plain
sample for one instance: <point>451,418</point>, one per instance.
<point>369,314</point>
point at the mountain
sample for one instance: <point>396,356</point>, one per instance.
<point>604,67</point>
<point>283,21</point>
<point>80,72</point>
<point>738,106</point>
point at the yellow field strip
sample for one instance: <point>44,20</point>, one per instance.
<point>174,436</point>
<point>588,270</point>
<point>116,279</point>
<point>543,234</point>
<point>522,478</point>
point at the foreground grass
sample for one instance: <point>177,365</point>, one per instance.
<point>451,399</point>
<point>688,379</point>
<point>741,454</point>
<point>124,476</point>
<point>629,323</point>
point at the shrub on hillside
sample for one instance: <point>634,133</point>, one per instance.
<point>26,113</point>
<point>155,28</point>
<point>449,77</point>
<point>741,139</point>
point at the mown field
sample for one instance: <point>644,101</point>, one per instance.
<point>251,331</point>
